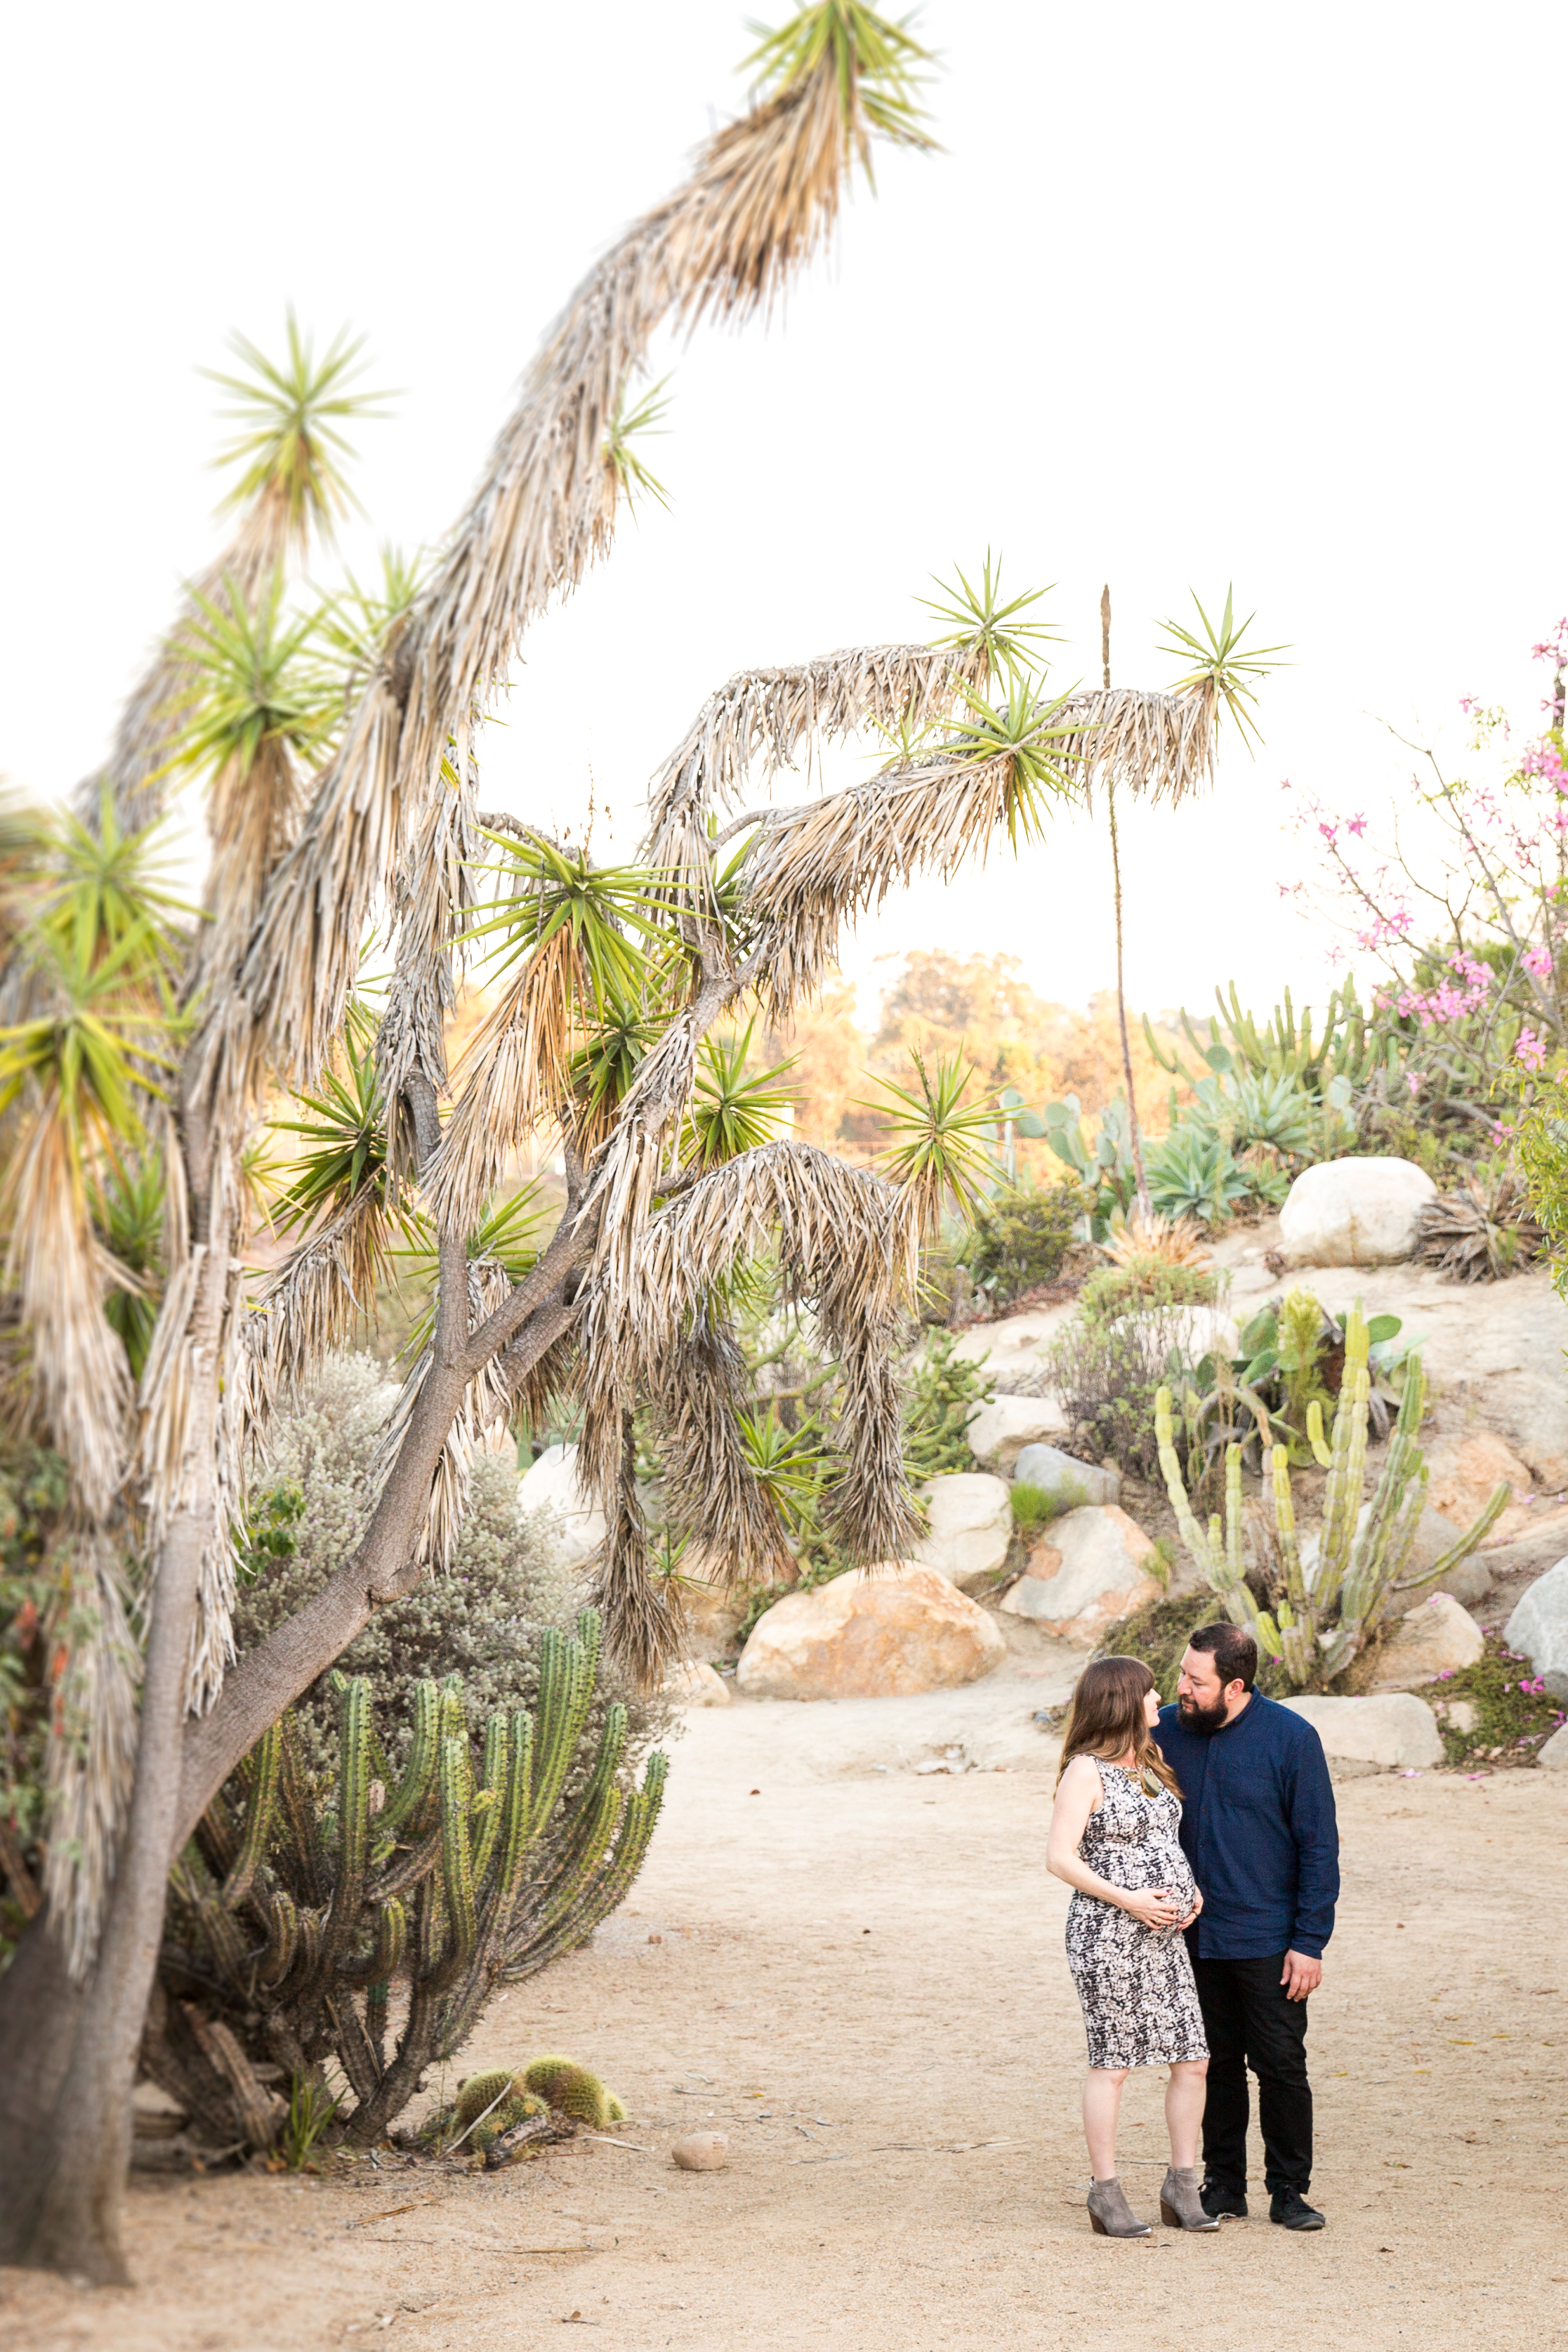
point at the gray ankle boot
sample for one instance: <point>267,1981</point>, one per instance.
<point>1110,2215</point>
<point>1181,2208</point>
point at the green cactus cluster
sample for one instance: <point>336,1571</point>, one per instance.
<point>489,2106</point>
<point>302,1919</point>
<point>1319,1616</point>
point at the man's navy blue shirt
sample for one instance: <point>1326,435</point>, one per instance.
<point>1258,1826</point>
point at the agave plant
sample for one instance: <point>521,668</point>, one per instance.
<point>1485,1231</point>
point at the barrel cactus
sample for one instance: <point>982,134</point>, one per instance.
<point>1319,1614</point>
<point>301,1917</point>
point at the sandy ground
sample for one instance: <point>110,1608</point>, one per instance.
<point>858,1975</point>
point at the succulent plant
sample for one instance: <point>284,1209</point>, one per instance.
<point>1486,1229</point>
<point>1321,1614</point>
<point>297,1909</point>
<point>574,2091</point>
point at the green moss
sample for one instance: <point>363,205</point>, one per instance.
<point>1514,1711</point>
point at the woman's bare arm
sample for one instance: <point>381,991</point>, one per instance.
<point>1076,1798</point>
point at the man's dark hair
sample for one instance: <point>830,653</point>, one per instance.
<point>1233,1650</point>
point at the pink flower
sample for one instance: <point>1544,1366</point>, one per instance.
<point>1356,825</point>
<point>1529,1051</point>
<point>1539,962</point>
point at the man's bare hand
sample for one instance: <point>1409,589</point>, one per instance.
<point>1301,1976</point>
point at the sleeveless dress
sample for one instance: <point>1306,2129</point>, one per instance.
<point>1140,2004</point>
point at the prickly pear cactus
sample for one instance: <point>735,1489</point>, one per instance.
<point>296,1911</point>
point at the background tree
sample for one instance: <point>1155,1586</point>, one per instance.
<point>389,822</point>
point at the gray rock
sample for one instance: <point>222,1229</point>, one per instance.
<point>1355,1213</point>
<point>1539,1627</point>
<point>998,1432</point>
<point>1396,1732</point>
<point>551,1486</point>
<point>1068,1482</point>
<point>971,1527</point>
<point>705,2151</point>
<point>1555,1755</point>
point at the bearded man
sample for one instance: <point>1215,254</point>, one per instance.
<point>1259,1828</point>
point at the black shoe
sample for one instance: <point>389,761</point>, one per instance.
<point>1222,2204</point>
<point>1292,2210</point>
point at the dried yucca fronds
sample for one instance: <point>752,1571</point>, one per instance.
<point>92,1752</point>
<point>812,868</point>
<point>60,1272</point>
<point>1159,747</point>
<point>433,900</point>
<point>764,717</point>
<point>515,1071</point>
<point>845,1240</point>
<point>765,192</point>
<point>1177,1241</point>
<point>310,1304</point>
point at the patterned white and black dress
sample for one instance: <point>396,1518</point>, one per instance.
<point>1140,2004</point>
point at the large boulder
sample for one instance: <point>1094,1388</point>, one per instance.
<point>1394,1732</point>
<point>971,1527</point>
<point>551,1486</point>
<point>1538,1628</point>
<point>1436,1636</point>
<point>1066,1481</point>
<point>1087,1571</point>
<point>877,1633</point>
<point>1355,1213</point>
<point>998,1432</point>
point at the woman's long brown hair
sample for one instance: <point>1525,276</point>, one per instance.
<point>1106,1719</point>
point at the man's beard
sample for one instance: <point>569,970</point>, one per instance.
<point>1204,1720</point>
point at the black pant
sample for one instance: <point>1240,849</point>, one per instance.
<point>1249,2022</point>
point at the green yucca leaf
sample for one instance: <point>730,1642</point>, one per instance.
<point>258,679</point>
<point>873,61</point>
<point>510,1234</point>
<point>940,1139</point>
<point>978,620</point>
<point>606,909</point>
<point>730,1112</point>
<point>354,624</point>
<point>604,1069</point>
<point>289,413</point>
<point>97,1046</point>
<point>788,1465</point>
<point>127,1209</point>
<point>102,886</point>
<point>1024,732</point>
<point>623,429</point>
<point>344,1138</point>
<point>1217,667</point>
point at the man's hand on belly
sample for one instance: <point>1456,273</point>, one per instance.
<point>1301,1976</point>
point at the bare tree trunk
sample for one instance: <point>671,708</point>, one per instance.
<point>78,2158</point>
<point>40,2009</point>
<point>1134,1132</point>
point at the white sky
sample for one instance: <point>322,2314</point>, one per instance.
<point>1198,294</point>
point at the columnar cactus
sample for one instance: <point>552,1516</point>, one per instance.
<point>292,1923</point>
<point>1321,1615</point>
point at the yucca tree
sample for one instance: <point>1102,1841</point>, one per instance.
<point>390,826</point>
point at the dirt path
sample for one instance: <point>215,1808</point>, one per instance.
<point>859,1976</point>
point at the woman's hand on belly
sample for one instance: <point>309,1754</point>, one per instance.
<point>1197,1907</point>
<point>1154,1907</point>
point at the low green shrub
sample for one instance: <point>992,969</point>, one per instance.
<point>1107,1375</point>
<point>1035,1506</point>
<point>1145,1282</point>
<point>1019,1236</point>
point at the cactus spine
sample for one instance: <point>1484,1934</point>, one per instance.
<point>290,1922</point>
<point>1318,1623</point>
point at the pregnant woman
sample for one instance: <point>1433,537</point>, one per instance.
<point>1113,1840</point>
